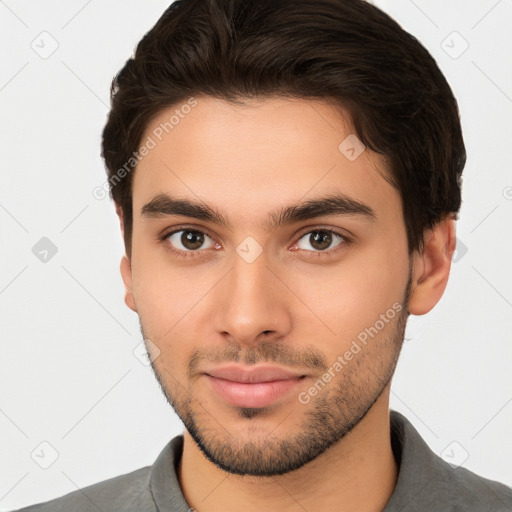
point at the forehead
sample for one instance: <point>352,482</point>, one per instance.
<point>259,155</point>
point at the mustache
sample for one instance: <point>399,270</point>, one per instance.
<point>266,351</point>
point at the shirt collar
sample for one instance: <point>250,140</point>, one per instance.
<point>418,467</point>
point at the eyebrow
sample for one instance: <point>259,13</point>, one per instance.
<point>164,205</point>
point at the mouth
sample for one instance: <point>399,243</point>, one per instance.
<point>254,387</point>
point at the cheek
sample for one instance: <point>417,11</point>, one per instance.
<point>156,292</point>
<point>166,314</point>
<point>163,300</point>
<point>170,299</point>
<point>350,296</point>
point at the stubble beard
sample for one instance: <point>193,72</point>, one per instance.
<point>327,418</point>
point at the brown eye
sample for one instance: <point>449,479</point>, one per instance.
<point>319,240</point>
<point>188,240</point>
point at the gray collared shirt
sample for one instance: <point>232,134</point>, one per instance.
<point>425,483</point>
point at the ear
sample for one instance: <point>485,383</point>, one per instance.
<point>126,268</point>
<point>126,273</point>
<point>431,267</point>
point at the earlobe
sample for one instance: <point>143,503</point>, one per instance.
<point>126,273</point>
<point>432,267</point>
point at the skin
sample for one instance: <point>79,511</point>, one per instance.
<point>293,305</point>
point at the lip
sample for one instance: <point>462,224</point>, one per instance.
<point>252,374</point>
<point>257,386</point>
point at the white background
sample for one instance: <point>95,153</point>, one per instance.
<point>69,376</point>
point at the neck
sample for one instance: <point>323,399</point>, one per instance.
<point>358,473</point>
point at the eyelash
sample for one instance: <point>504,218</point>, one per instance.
<point>345,241</point>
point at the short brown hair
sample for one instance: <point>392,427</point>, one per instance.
<point>346,51</point>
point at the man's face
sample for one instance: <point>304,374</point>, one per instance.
<point>254,292</point>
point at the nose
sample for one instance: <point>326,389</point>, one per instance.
<point>252,302</point>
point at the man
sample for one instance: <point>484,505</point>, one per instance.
<point>287,178</point>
